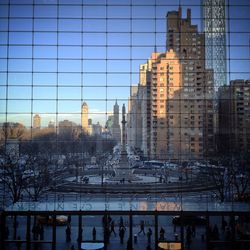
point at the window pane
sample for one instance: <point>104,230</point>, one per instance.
<point>45,11</point>
<point>44,93</point>
<point>45,78</point>
<point>41,65</point>
<point>19,78</point>
<point>20,51</point>
<point>20,24</point>
<point>19,92</point>
<point>21,11</point>
<point>45,51</point>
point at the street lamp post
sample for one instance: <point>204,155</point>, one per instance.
<point>102,173</point>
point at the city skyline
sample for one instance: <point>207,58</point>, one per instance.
<point>82,49</point>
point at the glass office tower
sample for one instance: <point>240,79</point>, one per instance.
<point>214,26</point>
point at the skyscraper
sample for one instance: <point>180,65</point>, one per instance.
<point>234,114</point>
<point>116,129</point>
<point>180,101</point>
<point>214,26</point>
<point>84,117</point>
<point>36,121</point>
<point>196,95</point>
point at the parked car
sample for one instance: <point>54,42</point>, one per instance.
<point>61,220</point>
<point>85,179</point>
<point>189,220</point>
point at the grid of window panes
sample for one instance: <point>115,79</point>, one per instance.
<point>56,55</point>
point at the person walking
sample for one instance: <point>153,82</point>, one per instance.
<point>162,232</point>
<point>72,247</point>
<point>149,234</point>
<point>121,234</point>
<point>215,232</point>
<point>41,231</point>
<point>35,231</point>
<point>112,228</point>
<point>68,233</point>
<point>142,226</point>
<point>223,225</point>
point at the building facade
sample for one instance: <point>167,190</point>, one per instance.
<point>116,128</point>
<point>234,117</point>
<point>134,118</point>
<point>84,117</point>
<point>36,121</point>
<point>214,27</point>
<point>196,119</point>
<point>176,96</point>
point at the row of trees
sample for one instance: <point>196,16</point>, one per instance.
<point>35,165</point>
<point>48,140</point>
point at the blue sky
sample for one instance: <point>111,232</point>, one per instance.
<point>70,65</point>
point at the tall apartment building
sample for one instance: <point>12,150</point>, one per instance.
<point>66,127</point>
<point>116,128</point>
<point>36,121</point>
<point>84,117</point>
<point>166,83</point>
<point>196,104</point>
<point>214,27</point>
<point>145,96</point>
<point>134,118</point>
<point>234,117</point>
<point>180,97</point>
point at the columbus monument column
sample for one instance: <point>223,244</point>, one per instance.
<point>123,172</point>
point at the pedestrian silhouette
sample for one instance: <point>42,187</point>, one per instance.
<point>223,225</point>
<point>72,247</point>
<point>149,247</point>
<point>68,233</point>
<point>35,231</point>
<point>149,234</point>
<point>215,232</point>
<point>94,234</point>
<point>142,226</point>
<point>121,234</point>
<point>162,232</point>
<point>112,226</point>
<point>41,231</point>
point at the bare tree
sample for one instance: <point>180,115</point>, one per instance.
<point>38,180</point>
<point>222,181</point>
<point>13,176</point>
<point>11,130</point>
<point>241,180</point>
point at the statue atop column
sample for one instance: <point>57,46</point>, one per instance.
<point>123,127</point>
